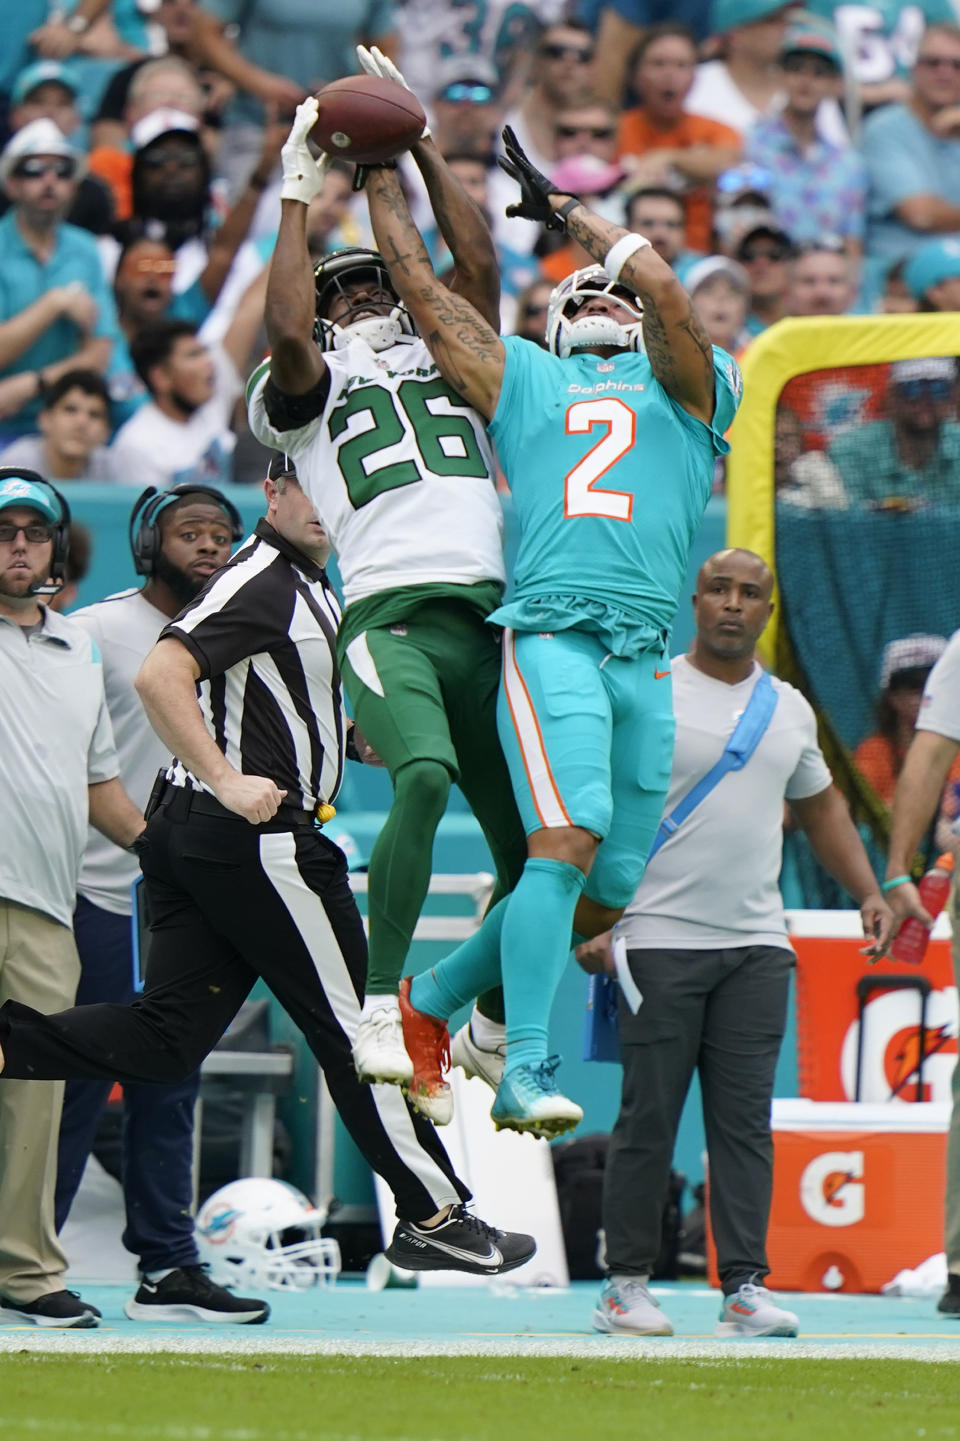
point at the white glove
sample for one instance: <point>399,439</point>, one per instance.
<point>374,62</point>
<point>303,175</point>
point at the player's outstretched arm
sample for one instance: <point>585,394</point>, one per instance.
<point>296,362</point>
<point>466,232</point>
<point>462,223</point>
<point>676,343</point>
<point>468,351</point>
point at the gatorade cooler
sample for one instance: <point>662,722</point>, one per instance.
<point>857,1193</point>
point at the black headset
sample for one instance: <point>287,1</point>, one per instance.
<point>145,538</point>
<point>61,527</point>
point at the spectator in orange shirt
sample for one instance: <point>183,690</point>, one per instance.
<point>906,664</point>
<point>671,145</point>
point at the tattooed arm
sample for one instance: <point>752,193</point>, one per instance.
<point>677,345</point>
<point>466,232</point>
<point>468,351</point>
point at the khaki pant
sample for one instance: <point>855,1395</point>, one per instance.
<point>39,966</point>
<point>951,1239</point>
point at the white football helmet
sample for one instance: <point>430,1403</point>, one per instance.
<point>565,333</point>
<point>379,331</point>
<point>263,1233</point>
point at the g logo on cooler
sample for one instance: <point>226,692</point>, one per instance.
<point>831,1188</point>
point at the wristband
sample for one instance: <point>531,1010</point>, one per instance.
<point>620,252</point>
<point>77,24</point>
<point>895,881</point>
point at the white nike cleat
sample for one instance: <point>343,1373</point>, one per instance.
<point>378,1050</point>
<point>625,1307</point>
<point>475,1060</point>
<point>752,1311</point>
<point>462,1242</point>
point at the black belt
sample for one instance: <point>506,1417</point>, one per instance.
<point>183,801</point>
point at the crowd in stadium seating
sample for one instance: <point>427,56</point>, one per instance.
<point>785,162</point>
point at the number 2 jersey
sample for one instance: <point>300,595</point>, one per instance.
<point>399,470</point>
<point>610,478</point>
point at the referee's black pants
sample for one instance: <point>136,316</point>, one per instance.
<point>230,902</point>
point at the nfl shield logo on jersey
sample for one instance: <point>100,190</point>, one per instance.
<point>605,366</point>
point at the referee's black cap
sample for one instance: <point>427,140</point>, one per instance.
<point>281,464</point>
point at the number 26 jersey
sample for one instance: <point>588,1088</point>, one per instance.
<point>399,470</point>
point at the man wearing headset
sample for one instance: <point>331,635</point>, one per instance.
<point>179,538</point>
<point>58,768</point>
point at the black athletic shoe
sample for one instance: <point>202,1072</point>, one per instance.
<point>57,1308</point>
<point>460,1243</point>
<point>949,1303</point>
<point>188,1294</point>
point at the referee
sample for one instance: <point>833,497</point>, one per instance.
<point>241,882</point>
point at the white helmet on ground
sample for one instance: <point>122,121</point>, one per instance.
<point>263,1233</point>
<point>565,333</point>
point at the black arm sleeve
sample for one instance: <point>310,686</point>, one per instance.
<point>290,412</point>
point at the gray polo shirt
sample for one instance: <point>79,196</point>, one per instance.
<point>55,740</point>
<point>124,628</point>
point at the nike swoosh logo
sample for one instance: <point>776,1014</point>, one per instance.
<point>659,674</point>
<point>493,1258</point>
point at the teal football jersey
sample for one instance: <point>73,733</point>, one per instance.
<point>610,478</point>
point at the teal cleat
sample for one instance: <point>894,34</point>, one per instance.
<point>528,1099</point>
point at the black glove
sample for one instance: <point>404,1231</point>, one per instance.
<point>535,188</point>
<point>362,171</point>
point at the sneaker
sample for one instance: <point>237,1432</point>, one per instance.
<point>752,1311</point>
<point>460,1243</point>
<point>626,1307</point>
<point>427,1043</point>
<point>949,1303</point>
<point>378,1050</point>
<point>57,1308</point>
<point>475,1060</point>
<point>528,1099</point>
<point>188,1294</point>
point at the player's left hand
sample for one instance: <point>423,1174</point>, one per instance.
<point>879,925</point>
<point>535,188</point>
<point>381,67</point>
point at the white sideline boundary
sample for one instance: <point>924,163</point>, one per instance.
<point>619,1349</point>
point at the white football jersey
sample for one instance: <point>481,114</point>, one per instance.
<point>399,469</point>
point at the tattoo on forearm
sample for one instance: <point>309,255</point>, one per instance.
<point>595,235</point>
<point>660,342</point>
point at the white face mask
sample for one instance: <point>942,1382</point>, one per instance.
<point>597,330</point>
<point>379,331</point>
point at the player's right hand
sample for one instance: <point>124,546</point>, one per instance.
<point>255,798</point>
<point>303,175</point>
<point>535,187</point>
<point>381,67</point>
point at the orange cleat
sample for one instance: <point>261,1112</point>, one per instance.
<point>427,1042</point>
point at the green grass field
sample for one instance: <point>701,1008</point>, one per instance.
<point>166,1397</point>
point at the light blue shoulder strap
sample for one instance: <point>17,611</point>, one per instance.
<point>746,736</point>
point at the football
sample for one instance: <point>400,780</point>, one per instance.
<point>366,119</point>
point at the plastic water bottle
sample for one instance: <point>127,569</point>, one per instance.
<point>911,942</point>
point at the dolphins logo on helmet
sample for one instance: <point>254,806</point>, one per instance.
<point>346,266</point>
<point>565,333</point>
<point>265,1233</point>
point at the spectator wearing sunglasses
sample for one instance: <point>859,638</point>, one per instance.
<point>912,154</point>
<point>816,187</point>
<point>561,79</point>
<point>664,143</point>
<point>765,251</point>
<point>910,459</point>
<point>56,312</point>
<point>466,109</point>
<point>49,90</point>
<point>532,306</point>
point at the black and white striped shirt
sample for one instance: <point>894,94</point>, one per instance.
<point>263,633</point>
